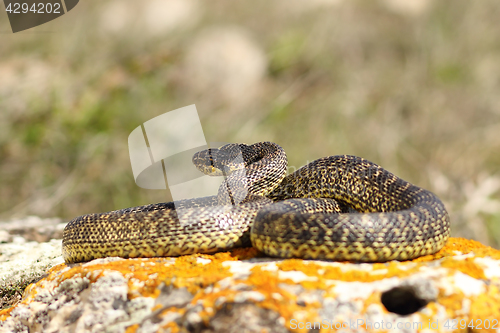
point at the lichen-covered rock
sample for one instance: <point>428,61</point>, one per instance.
<point>457,288</point>
<point>26,252</point>
<point>32,228</point>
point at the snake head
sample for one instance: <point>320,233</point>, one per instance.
<point>220,161</point>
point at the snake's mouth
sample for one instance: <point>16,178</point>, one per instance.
<point>221,161</point>
<point>212,171</point>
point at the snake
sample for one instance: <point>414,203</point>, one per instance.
<point>341,208</point>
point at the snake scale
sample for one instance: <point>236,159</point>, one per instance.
<point>335,208</point>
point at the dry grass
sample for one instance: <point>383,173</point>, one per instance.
<point>12,288</point>
<point>415,93</point>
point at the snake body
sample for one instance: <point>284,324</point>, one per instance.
<point>336,208</point>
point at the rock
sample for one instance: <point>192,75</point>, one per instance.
<point>5,237</point>
<point>21,256</point>
<point>241,292</point>
<point>32,228</point>
<point>22,259</point>
<point>28,247</point>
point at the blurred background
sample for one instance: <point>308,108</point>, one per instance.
<point>411,85</point>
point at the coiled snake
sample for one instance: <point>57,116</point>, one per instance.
<point>336,208</point>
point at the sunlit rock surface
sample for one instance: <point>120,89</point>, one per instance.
<point>242,291</point>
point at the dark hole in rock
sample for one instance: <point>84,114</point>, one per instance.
<point>402,300</point>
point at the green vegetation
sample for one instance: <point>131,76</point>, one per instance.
<point>11,289</point>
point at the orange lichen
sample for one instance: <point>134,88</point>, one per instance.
<point>426,319</point>
<point>145,275</point>
<point>350,275</point>
<point>5,313</point>
<point>156,307</point>
<point>209,302</point>
<point>487,305</point>
<point>132,328</point>
<point>464,246</point>
<point>466,266</point>
<point>394,268</point>
<point>246,253</point>
<point>201,274</point>
<point>452,302</point>
<point>268,283</point>
<point>171,327</point>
